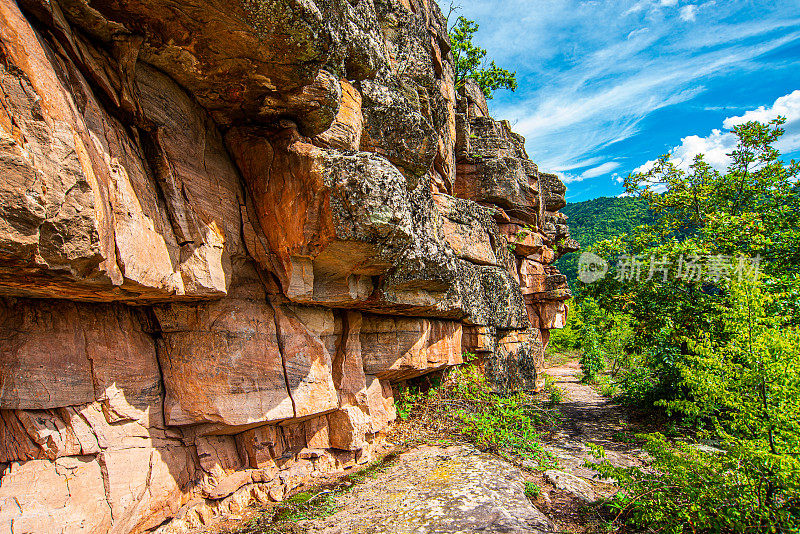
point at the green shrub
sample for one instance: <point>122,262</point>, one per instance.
<point>686,490</point>
<point>464,404</point>
<point>501,423</point>
<point>532,491</point>
<point>405,401</point>
<point>608,388</point>
<point>592,361</point>
<point>743,385</point>
<point>556,396</point>
<point>552,392</point>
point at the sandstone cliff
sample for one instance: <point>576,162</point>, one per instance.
<point>226,230</point>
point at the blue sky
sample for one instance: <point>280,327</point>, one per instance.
<point>606,86</point>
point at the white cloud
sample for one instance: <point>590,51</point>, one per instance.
<point>617,178</point>
<point>644,167</point>
<point>604,99</point>
<point>636,33</point>
<point>719,143</point>
<point>574,163</point>
<point>600,170</point>
<point>688,13</point>
<point>594,172</point>
<point>584,86</point>
<point>786,106</point>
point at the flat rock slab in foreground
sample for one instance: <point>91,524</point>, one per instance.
<point>432,490</point>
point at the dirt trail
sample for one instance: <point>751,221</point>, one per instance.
<point>587,417</point>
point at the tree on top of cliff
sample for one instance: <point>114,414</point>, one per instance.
<point>470,61</point>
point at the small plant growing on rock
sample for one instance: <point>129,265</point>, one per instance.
<point>520,237</point>
<point>532,491</point>
<point>464,405</point>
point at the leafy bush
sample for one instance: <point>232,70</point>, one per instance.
<point>721,353</point>
<point>592,360</point>
<point>464,404</point>
<point>552,392</point>
<point>608,388</point>
<point>556,396</point>
<point>687,490</point>
<point>532,491</point>
<point>502,423</point>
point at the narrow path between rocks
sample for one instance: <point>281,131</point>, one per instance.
<point>584,417</point>
<point>587,417</point>
<point>440,489</point>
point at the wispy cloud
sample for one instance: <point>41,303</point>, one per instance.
<point>586,87</point>
<point>688,13</point>
<point>600,170</point>
<point>582,115</point>
<point>720,142</point>
<point>593,172</point>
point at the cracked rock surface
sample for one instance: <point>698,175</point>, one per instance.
<point>436,490</point>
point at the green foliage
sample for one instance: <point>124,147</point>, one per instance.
<point>608,388</point>
<point>721,353</point>
<point>623,436</point>
<point>552,392</point>
<point>702,212</point>
<point>306,505</point>
<point>504,423</point>
<point>470,61</point>
<point>464,404</point>
<point>469,357</point>
<point>601,218</point>
<point>405,402</point>
<point>532,491</point>
<point>555,396</point>
<point>592,360</point>
<point>521,234</point>
<point>688,490</point>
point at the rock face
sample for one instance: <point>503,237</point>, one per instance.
<point>226,229</point>
<point>438,490</point>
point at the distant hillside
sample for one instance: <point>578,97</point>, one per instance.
<point>597,219</point>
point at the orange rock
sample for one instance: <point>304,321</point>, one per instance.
<point>380,404</point>
<point>345,132</point>
<point>549,314</point>
<point>218,455</point>
<point>348,428</point>
<point>125,234</point>
<point>330,219</point>
<point>307,365</point>
<point>260,446</point>
<point>221,363</point>
<point>74,499</point>
<point>403,348</point>
<point>57,353</point>
<point>317,434</point>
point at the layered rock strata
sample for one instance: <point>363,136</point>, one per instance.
<point>226,230</point>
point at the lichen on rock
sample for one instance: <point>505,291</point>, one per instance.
<point>227,229</point>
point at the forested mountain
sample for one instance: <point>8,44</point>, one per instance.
<point>593,220</point>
